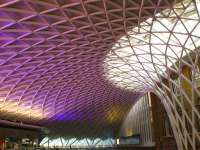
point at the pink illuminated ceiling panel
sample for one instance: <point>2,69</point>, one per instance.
<point>51,56</point>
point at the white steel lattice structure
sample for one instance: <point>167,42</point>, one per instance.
<point>78,143</point>
<point>77,67</point>
<point>161,54</point>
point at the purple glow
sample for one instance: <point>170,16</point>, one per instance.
<point>70,116</point>
<point>44,76</point>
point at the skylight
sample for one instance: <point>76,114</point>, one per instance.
<point>137,59</point>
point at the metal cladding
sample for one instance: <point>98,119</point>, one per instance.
<point>77,67</point>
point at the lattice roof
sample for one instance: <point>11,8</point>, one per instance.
<point>53,62</point>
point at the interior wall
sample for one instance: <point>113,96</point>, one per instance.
<point>163,133</point>
<point>139,121</point>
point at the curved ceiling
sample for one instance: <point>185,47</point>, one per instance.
<point>51,65</point>
<point>53,54</point>
<point>142,57</point>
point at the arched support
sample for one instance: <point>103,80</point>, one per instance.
<point>172,122</point>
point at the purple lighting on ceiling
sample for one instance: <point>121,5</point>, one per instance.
<point>52,63</point>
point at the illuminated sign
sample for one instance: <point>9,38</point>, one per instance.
<point>130,140</point>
